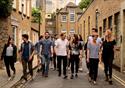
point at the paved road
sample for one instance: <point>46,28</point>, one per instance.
<point>53,81</point>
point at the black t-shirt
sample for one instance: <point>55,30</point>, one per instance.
<point>75,48</point>
<point>108,48</point>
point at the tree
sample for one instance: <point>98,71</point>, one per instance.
<point>5,8</point>
<point>36,13</point>
<point>84,3</point>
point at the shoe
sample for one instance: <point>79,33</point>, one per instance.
<point>110,82</point>
<point>106,79</point>
<point>65,77</point>
<point>71,77</point>
<point>76,76</point>
<point>59,75</point>
<point>9,78</point>
<point>94,82</point>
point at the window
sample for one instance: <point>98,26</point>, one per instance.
<point>14,4</point>
<point>22,6</point>
<point>28,8</point>
<point>110,22</point>
<point>63,18</point>
<point>14,34</point>
<point>104,25</point>
<point>72,16</point>
<point>72,31</point>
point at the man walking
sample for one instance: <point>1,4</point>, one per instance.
<point>27,53</point>
<point>61,46</point>
<point>46,53</point>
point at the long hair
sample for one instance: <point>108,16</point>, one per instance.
<point>80,38</point>
<point>8,42</point>
<point>76,39</point>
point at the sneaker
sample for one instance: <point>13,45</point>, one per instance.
<point>65,77</point>
<point>76,76</point>
<point>94,82</point>
<point>71,77</point>
<point>9,78</point>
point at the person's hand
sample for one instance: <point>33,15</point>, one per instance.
<point>68,56</point>
<point>87,60</point>
<point>80,56</point>
<point>30,58</point>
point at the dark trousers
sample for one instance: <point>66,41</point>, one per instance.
<point>59,61</point>
<point>93,68</point>
<point>9,62</point>
<point>54,61</point>
<point>74,63</point>
<point>108,66</point>
<point>26,65</point>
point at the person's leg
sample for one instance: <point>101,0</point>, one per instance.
<point>59,58</point>
<point>30,67</point>
<point>24,65</point>
<point>12,66</point>
<point>106,65</point>
<point>91,69</point>
<point>54,61</point>
<point>72,66</point>
<point>7,66</point>
<point>47,61</point>
<point>64,65</point>
<point>77,60</point>
<point>95,66</point>
<point>110,70</point>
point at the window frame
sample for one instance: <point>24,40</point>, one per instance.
<point>62,20</point>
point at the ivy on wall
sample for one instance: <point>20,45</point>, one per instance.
<point>5,8</point>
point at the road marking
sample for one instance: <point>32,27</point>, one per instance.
<point>122,82</point>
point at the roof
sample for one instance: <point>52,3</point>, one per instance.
<point>71,4</point>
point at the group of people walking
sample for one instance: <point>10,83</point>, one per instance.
<point>62,48</point>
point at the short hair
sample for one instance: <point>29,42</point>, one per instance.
<point>41,37</point>
<point>46,32</point>
<point>25,36</point>
<point>62,34</point>
<point>95,29</point>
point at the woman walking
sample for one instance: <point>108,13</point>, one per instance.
<point>75,48</point>
<point>108,54</point>
<point>93,49</point>
<point>9,55</point>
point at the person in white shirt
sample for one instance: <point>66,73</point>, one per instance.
<point>61,46</point>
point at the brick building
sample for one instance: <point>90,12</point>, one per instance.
<point>66,18</point>
<point>103,14</point>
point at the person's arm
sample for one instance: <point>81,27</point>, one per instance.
<point>88,52</point>
<point>33,52</point>
<point>52,50</point>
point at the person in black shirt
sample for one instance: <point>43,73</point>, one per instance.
<point>108,54</point>
<point>76,52</point>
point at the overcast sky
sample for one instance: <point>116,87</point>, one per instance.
<point>77,1</point>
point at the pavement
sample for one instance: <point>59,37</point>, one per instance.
<point>53,81</point>
<point>4,83</point>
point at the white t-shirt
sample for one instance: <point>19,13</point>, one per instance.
<point>9,51</point>
<point>61,47</point>
<point>99,41</point>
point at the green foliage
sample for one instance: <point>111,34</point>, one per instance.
<point>36,15</point>
<point>84,3</point>
<point>5,8</point>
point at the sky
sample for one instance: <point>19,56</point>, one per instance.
<point>77,1</point>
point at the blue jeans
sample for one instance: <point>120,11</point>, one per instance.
<point>45,63</point>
